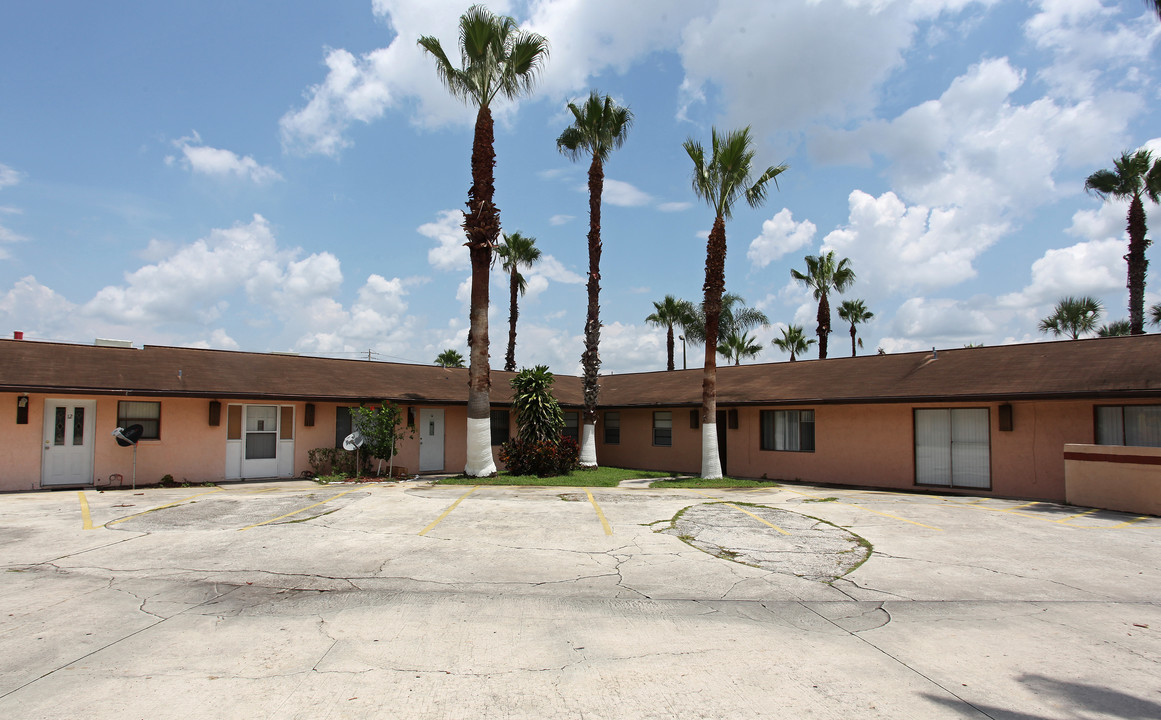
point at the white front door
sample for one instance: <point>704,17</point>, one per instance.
<point>430,440</point>
<point>68,442</point>
<point>260,441</point>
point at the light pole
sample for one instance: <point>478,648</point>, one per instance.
<point>682,339</point>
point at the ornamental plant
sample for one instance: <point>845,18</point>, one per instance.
<point>539,448</point>
<point>380,428</point>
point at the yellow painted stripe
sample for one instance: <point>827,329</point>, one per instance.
<point>87,520</point>
<point>308,507</point>
<point>162,507</point>
<point>1127,523</point>
<point>601,515</point>
<point>860,507</point>
<point>447,512</point>
<point>1077,515</point>
<point>743,510</point>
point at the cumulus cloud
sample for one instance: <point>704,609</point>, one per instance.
<point>200,158</point>
<point>621,194</point>
<point>9,176</point>
<point>1088,268</point>
<point>780,235</point>
<point>450,253</point>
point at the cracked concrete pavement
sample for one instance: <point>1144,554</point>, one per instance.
<point>294,600</point>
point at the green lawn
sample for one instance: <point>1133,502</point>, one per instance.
<point>601,477</point>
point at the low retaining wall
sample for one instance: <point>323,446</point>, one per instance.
<point>1113,477</point>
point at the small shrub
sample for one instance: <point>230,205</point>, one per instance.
<point>540,458</point>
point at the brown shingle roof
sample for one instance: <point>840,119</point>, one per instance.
<point>1100,367</point>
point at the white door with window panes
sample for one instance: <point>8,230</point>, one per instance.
<point>430,440</point>
<point>259,441</point>
<point>67,458</point>
<point>952,447</point>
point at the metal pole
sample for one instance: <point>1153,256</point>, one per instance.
<point>134,466</point>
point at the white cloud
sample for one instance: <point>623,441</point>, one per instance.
<point>674,206</point>
<point>560,219</point>
<point>1094,267</point>
<point>942,321</point>
<point>780,235</point>
<point>450,253</point>
<point>37,310</point>
<point>9,176</point>
<point>621,194</point>
<point>201,158</point>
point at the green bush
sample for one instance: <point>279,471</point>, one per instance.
<point>337,461</point>
<point>542,458</point>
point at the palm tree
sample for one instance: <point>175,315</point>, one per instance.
<point>794,341</point>
<point>1155,6</point>
<point>497,58</point>
<point>735,318</point>
<point>1116,328</point>
<point>450,359</point>
<point>737,346</point>
<point>599,127</point>
<point>855,312</point>
<point>1155,314</point>
<point>1072,316</point>
<point>823,275</point>
<point>1135,174</point>
<point>721,180</point>
<point>516,251</point>
<point>668,313</point>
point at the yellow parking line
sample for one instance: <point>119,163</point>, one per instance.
<point>1079,514</point>
<point>85,517</point>
<point>162,507</point>
<point>308,507</point>
<point>743,510</point>
<point>448,511</point>
<point>1126,523</point>
<point>860,507</point>
<point>601,515</point>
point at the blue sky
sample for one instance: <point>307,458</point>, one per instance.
<point>287,176</point>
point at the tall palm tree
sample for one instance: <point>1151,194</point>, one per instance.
<point>668,313</point>
<point>1155,314</point>
<point>721,180</point>
<point>497,58</point>
<point>1116,328</point>
<point>855,312</point>
<point>450,359</point>
<point>735,318</point>
<point>599,127</point>
<point>822,275</point>
<point>735,346</point>
<point>1072,316</point>
<point>516,251</point>
<point>794,341</point>
<point>1134,175</point>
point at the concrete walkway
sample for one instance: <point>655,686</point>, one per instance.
<point>294,600</point>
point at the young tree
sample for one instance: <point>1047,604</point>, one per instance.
<point>497,58</point>
<point>822,275</point>
<point>450,359</point>
<point>1134,175</point>
<point>599,127</point>
<point>794,341</point>
<point>721,179</point>
<point>669,313</point>
<point>855,312</point>
<point>381,432</point>
<point>735,346</point>
<point>516,251</point>
<point>1072,316</point>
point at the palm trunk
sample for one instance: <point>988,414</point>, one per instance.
<point>669,347</point>
<point>852,339</point>
<point>1138,266</point>
<point>715,281</point>
<point>482,228</point>
<point>823,325</point>
<point>513,312</point>
<point>591,359</point>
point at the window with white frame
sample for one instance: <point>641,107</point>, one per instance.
<point>612,428</point>
<point>145,414</point>
<point>1132,425</point>
<point>953,447</point>
<point>663,428</point>
<point>787,430</point>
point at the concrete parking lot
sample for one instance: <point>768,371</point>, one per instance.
<point>295,600</point>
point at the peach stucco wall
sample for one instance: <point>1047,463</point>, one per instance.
<point>1114,478</point>
<point>871,445</point>
<point>190,449</point>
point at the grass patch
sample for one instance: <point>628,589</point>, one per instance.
<point>600,477</point>
<point>725,482</point>
<point>825,499</point>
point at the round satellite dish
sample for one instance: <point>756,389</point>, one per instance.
<point>127,437</point>
<point>354,440</point>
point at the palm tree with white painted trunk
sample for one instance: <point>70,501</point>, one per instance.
<point>497,58</point>
<point>721,179</point>
<point>599,127</point>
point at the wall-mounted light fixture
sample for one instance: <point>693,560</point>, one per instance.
<point>308,415</point>
<point>1005,413</point>
<point>215,413</point>
<point>22,410</point>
